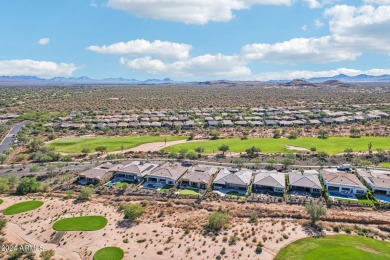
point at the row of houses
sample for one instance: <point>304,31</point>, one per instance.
<point>308,182</point>
<point>209,115</point>
<point>184,123</point>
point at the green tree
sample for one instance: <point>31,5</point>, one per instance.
<point>223,148</point>
<point>293,134</point>
<point>47,254</point>
<point>276,133</point>
<point>3,223</point>
<point>4,187</point>
<point>253,151</point>
<point>214,134</point>
<point>85,150</point>
<point>183,152</point>
<point>199,150</point>
<point>323,134</point>
<point>35,145</point>
<point>315,212</point>
<point>217,220</point>
<point>132,211</point>
<point>35,168</point>
<point>191,156</point>
<point>245,134</point>
<point>271,162</point>
<point>286,162</point>
<point>101,149</point>
<point>369,148</point>
<point>239,162</point>
<point>86,193</point>
<point>3,157</point>
<point>354,132</point>
<point>27,185</point>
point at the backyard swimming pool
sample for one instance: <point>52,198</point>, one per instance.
<point>382,198</point>
<point>338,195</point>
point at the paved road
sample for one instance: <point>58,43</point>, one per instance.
<point>10,137</point>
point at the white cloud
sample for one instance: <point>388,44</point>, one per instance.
<point>46,69</point>
<point>299,50</point>
<point>189,11</point>
<point>379,2</point>
<point>364,28</point>
<point>140,47</point>
<point>44,41</point>
<point>211,66</point>
<point>318,23</point>
<point>312,3</point>
<point>307,74</point>
<point>354,30</point>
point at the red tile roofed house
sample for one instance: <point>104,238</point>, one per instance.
<point>342,182</point>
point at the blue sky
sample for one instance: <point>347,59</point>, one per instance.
<point>194,40</point>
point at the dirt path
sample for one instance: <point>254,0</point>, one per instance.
<point>14,230</point>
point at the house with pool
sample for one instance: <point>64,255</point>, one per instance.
<point>378,181</point>
<point>341,183</point>
<point>99,174</point>
<point>135,171</point>
<point>166,174</point>
<point>199,177</point>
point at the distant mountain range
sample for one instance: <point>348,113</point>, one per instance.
<point>32,80</point>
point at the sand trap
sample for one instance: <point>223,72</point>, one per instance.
<point>154,147</point>
<point>297,148</point>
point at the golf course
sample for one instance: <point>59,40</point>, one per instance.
<point>332,145</point>
<point>77,144</point>
<point>22,207</point>
<point>86,223</point>
<point>336,247</point>
<point>109,253</point>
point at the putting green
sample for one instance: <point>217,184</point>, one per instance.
<point>86,223</point>
<point>77,144</point>
<point>22,207</point>
<point>332,145</point>
<point>108,253</point>
<point>341,247</point>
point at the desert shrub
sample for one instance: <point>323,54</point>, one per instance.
<point>217,220</point>
<point>132,211</point>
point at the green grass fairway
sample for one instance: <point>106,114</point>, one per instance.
<point>77,144</point>
<point>22,207</point>
<point>385,165</point>
<point>189,191</point>
<point>108,253</point>
<point>340,247</point>
<point>332,145</point>
<point>235,194</point>
<point>86,223</point>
